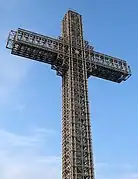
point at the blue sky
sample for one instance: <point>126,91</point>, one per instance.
<point>30,93</point>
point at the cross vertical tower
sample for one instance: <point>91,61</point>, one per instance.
<point>75,61</point>
<point>76,137</point>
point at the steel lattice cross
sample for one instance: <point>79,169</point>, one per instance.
<point>75,61</point>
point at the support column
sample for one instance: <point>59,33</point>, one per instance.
<point>77,157</point>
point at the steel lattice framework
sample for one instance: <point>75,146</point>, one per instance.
<point>75,61</point>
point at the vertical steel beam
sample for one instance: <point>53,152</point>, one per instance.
<point>77,156</point>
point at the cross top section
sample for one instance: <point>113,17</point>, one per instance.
<point>57,52</point>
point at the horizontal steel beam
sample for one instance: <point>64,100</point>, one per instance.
<point>106,67</point>
<point>57,52</point>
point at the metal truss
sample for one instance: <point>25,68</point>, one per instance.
<point>106,67</point>
<point>41,48</point>
<point>57,52</point>
<point>77,156</point>
<point>75,61</point>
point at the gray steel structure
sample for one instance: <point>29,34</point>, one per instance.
<point>75,61</point>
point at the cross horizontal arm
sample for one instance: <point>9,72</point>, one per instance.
<point>40,48</point>
<point>57,53</point>
<point>106,67</point>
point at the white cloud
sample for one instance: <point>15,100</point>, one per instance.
<point>37,138</point>
<point>29,168</point>
<point>20,156</point>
